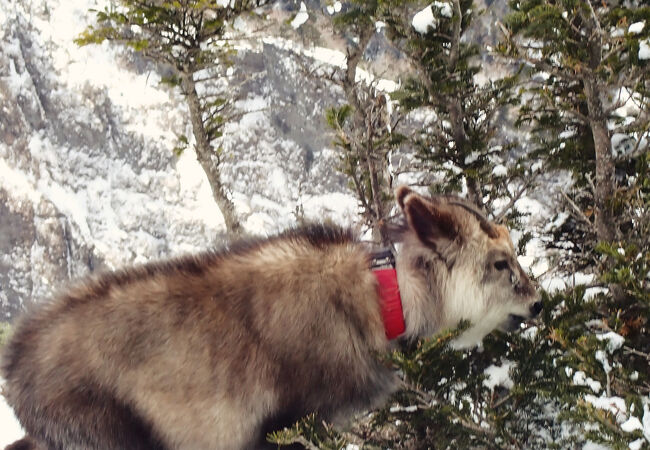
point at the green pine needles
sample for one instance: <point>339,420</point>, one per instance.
<point>580,374</point>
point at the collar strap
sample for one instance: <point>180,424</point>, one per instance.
<point>391,302</point>
<point>382,258</point>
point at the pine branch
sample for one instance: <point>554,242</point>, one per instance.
<point>633,351</point>
<point>544,66</point>
<point>514,198</point>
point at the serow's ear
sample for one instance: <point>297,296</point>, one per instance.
<point>434,224</point>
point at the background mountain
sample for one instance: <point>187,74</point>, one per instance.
<point>88,177</point>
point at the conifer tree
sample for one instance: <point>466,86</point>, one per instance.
<point>189,36</point>
<point>462,139</point>
<point>587,62</point>
<point>364,126</point>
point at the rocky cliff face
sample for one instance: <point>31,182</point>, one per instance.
<point>88,178</point>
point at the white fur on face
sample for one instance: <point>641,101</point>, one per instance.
<point>482,326</point>
<point>487,306</point>
<point>466,299</point>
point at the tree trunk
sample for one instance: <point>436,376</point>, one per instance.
<point>375,207</point>
<point>206,156</point>
<point>461,140</point>
<point>474,193</point>
<point>604,187</point>
<point>377,172</point>
<point>456,112</point>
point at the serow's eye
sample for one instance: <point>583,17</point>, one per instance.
<point>501,265</point>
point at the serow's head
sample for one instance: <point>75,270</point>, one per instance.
<point>457,265</point>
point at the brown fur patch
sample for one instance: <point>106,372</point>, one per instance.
<point>203,351</point>
<point>25,443</point>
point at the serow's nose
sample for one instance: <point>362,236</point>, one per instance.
<point>536,308</point>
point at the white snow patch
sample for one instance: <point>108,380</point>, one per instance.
<point>397,408</point>
<point>500,170</point>
<point>193,180</point>
<point>530,333</point>
<point>614,340</point>
<point>499,375</point>
<point>636,27</point>
<point>328,56</point>
<point>558,222</point>
<point>240,25</point>
<point>335,58</point>
<point>581,379</point>
<point>381,84</point>
<point>615,405</point>
<point>258,223</point>
<point>541,76</point>
<point>254,107</point>
<point>567,134</point>
<point>444,8</point>
<point>593,292</point>
<point>423,20</point>
<point>580,278</point>
<point>644,49</point>
<point>472,157</point>
<point>334,8</point>
<point>646,420</point>
<point>301,17</point>
<point>17,183</point>
<point>622,143</point>
<point>11,429</point>
<point>602,357</point>
<point>338,207</point>
<point>589,445</point>
<point>637,444</point>
<point>631,424</point>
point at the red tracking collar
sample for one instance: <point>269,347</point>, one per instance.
<point>391,302</point>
